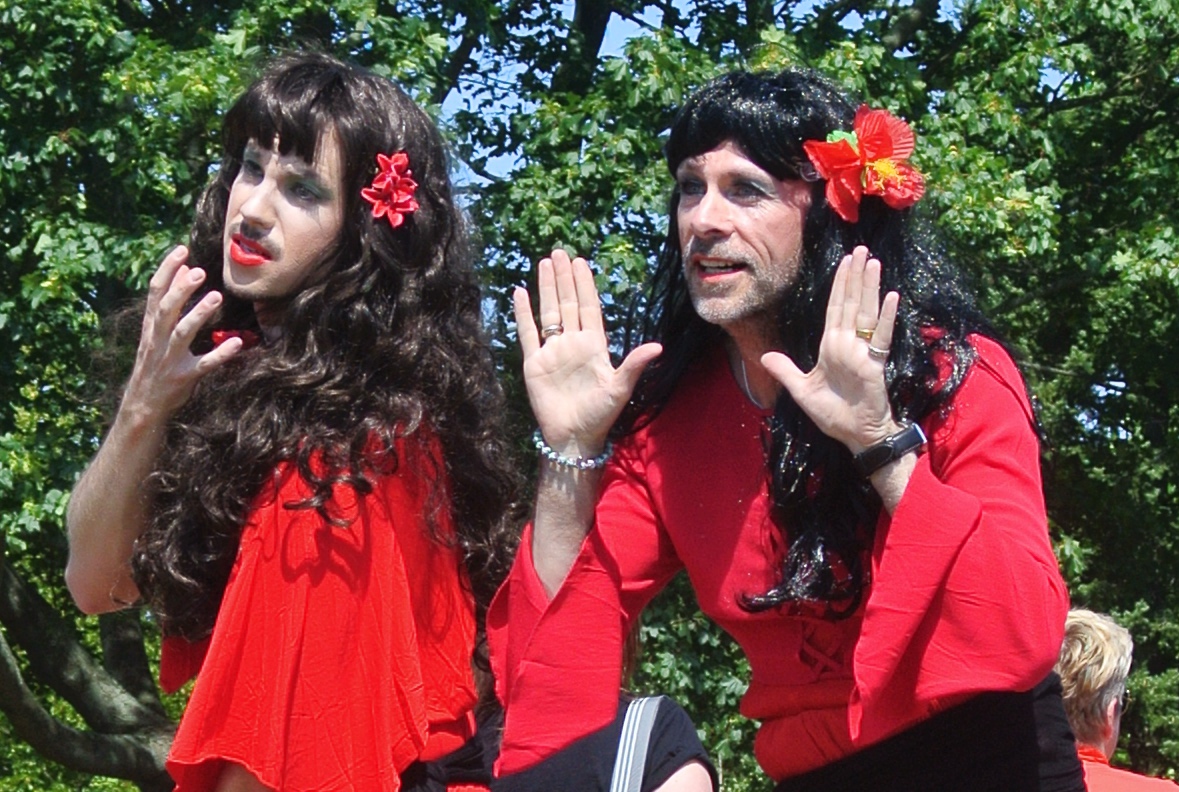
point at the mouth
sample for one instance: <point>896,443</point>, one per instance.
<point>708,266</point>
<point>247,252</point>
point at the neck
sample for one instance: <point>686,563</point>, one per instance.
<point>271,329</point>
<point>745,362</point>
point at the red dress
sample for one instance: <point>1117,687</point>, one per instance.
<point>965,593</point>
<point>340,655</point>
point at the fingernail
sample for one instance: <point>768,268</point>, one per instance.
<point>196,275</point>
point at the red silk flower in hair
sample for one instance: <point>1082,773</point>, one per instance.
<point>868,161</point>
<point>391,192</point>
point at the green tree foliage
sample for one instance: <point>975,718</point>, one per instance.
<point>1046,127</point>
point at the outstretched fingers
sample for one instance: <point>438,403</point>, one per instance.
<point>882,338</point>
<point>549,307</point>
<point>868,313</point>
<point>191,323</point>
<point>635,363</point>
<point>161,280</point>
<point>568,304</point>
<point>218,355</point>
<point>782,368</point>
<point>568,301</point>
<point>589,305</point>
<point>525,326</point>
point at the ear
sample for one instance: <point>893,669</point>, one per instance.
<point>1113,716</point>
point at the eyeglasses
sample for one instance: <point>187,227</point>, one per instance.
<point>1124,701</point>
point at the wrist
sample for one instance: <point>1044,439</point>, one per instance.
<point>573,455</point>
<point>571,444</point>
<point>875,436</point>
<point>905,440</point>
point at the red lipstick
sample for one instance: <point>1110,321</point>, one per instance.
<point>247,253</point>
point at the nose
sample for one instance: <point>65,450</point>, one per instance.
<point>257,207</point>
<point>710,215</point>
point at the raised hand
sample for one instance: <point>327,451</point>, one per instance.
<point>106,509</point>
<point>845,393</point>
<point>575,391</point>
<point>165,370</point>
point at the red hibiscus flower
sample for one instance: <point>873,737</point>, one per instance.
<point>868,161</point>
<point>391,192</point>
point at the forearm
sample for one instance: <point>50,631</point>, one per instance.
<point>107,512</point>
<point>891,480</point>
<point>565,502</point>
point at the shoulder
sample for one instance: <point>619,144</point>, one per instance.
<point>993,359</point>
<point>992,382</point>
<point>1100,777</point>
<point>990,405</point>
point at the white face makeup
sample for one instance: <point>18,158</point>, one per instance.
<point>284,214</point>
<point>740,233</point>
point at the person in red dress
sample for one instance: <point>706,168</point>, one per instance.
<point>306,480</point>
<point>830,440</point>
<point>1094,664</point>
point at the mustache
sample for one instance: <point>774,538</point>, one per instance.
<point>254,237</point>
<point>718,249</point>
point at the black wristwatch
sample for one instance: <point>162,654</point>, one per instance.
<point>889,449</point>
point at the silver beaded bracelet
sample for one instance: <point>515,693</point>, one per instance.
<point>575,463</point>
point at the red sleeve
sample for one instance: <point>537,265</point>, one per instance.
<point>966,593</point>
<point>340,654</point>
<point>553,658</point>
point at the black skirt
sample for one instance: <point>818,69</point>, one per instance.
<point>995,742</point>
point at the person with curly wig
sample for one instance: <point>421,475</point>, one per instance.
<point>1094,664</point>
<point>824,431</point>
<point>306,480</point>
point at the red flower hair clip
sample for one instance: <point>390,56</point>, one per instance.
<point>391,192</point>
<point>868,161</point>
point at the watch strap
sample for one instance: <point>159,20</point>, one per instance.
<point>889,449</point>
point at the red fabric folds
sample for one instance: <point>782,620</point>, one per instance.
<point>965,594</point>
<point>340,654</point>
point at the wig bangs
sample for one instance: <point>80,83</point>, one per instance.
<point>294,109</point>
<point>767,116</point>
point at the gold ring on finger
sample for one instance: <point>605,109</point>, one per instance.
<point>876,353</point>
<point>548,331</point>
<point>865,333</point>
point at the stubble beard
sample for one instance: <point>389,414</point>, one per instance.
<point>750,308</point>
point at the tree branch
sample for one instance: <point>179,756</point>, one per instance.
<point>59,660</point>
<point>906,23</point>
<point>124,657</point>
<point>834,13</point>
<point>139,757</point>
<point>454,69</point>
<point>583,45</point>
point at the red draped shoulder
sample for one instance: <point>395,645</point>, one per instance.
<point>341,653</point>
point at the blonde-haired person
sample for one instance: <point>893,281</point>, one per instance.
<point>1094,663</point>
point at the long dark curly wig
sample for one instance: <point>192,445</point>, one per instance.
<point>384,345</point>
<point>824,510</point>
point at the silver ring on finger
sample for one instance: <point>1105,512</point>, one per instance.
<point>876,353</point>
<point>548,331</point>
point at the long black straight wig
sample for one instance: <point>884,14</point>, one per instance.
<point>825,511</point>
